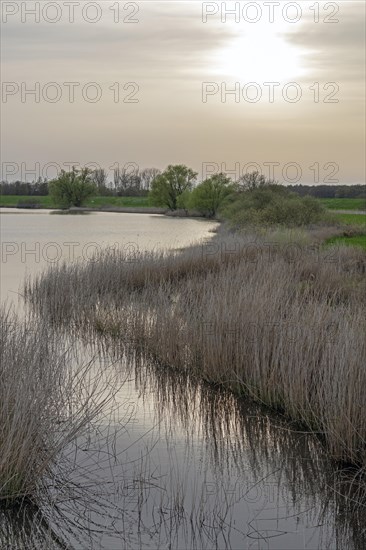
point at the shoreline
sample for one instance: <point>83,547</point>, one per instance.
<point>122,209</point>
<point>113,209</point>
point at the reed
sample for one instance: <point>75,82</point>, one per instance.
<point>47,400</point>
<point>281,321</point>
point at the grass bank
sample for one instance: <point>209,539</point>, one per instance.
<point>15,201</point>
<point>281,320</point>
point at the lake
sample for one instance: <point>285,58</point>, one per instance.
<point>174,463</point>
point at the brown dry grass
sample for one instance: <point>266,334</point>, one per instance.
<point>47,399</point>
<point>281,321</point>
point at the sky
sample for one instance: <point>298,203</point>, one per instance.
<point>219,86</point>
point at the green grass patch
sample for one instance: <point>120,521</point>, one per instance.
<point>344,204</point>
<point>351,219</point>
<point>14,201</point>
<point>356,240</point>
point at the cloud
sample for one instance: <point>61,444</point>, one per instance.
<point>335,51</point>
<point>170,52</point>
<point>166,42</point>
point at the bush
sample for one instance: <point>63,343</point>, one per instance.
<point>273,204</point>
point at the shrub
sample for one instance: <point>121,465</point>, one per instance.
<point>270,205</point>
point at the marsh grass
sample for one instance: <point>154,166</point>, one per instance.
<point>47,399</point>
<point>283,322</point>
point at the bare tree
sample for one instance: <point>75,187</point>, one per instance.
<point>253,180</point>
<point>147,177</point>
<point>132,181</point>
<point>100,178</point>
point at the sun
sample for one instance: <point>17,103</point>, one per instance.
<point>260,55</point>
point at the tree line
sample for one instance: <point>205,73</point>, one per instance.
<point>330,191</point>
<point>127,182</point>
<point>142,182</point>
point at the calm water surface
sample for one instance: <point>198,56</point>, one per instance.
<point>174,463</point>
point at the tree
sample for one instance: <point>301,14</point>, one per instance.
<point>127,181</point>
<point>252,180</point>
<point>209,195</point>
<point>168,186</point>
<point>147,176</point>
<point>183,201</point>
<point>100,178</point>
<point>132,181</point>
<point>72,188</point>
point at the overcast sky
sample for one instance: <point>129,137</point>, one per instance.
<point>176,61</point>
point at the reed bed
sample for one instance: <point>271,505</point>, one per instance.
<point>48,398</point>
<point>281,321</point>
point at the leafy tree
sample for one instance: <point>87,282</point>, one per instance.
<point>209,195</point>
<point>72,188</point>
<point>183,201</point>
<point>170,184</point>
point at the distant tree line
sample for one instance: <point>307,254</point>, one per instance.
<point>126,182</point>
<point>36,188</point>
<point>136,182</point>
<point>330,191</point>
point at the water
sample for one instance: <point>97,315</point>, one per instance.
<point>174,463</point>
<point>32,240</point>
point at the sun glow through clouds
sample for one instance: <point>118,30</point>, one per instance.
<point>260,54</point>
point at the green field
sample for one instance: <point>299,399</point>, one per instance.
<point>97,202</point>
<point>13,201</point>
<point>344,204</point>
<point>351,219</point>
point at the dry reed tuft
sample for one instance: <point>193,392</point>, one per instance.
<point>46,401</point>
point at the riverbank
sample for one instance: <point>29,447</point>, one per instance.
<point>75,210</point>
<point>276,317</point>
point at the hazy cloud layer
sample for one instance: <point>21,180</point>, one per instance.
<point>169,54</point>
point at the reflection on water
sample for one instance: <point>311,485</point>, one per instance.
<point>178,464</point>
